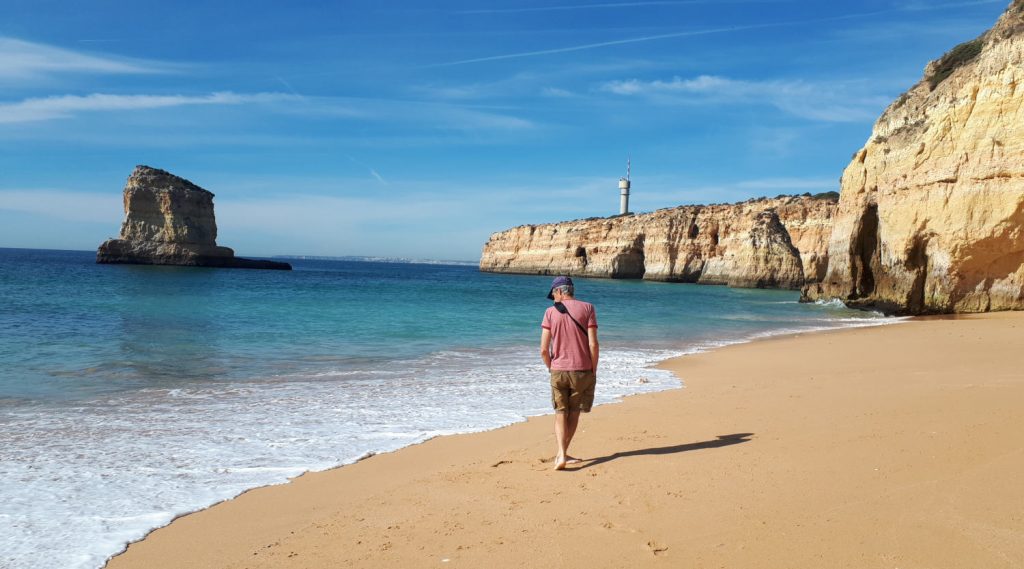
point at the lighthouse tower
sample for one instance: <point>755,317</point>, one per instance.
<point>624,192</point>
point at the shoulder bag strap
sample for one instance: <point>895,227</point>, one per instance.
<point>561,308</point>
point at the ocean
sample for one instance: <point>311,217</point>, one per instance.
<point>132,394</point>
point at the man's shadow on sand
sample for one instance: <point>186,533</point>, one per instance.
<point>721,441</point>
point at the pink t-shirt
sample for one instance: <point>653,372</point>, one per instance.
<point>570,348</point>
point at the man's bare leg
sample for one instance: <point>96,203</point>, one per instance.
<point>565,428</point>
<point>572,421</point>
<point>561,430</point>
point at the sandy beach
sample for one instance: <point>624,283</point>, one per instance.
<point>895,446</point>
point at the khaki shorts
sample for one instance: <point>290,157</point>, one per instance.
<point>572,390</point>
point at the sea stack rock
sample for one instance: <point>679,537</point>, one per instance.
<point>762,243</point>
<point>169,221</point>
<point>931,213</point>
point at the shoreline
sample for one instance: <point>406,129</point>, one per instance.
<point>444,465</point>
<point>699,348</point>
<point>847,324</point>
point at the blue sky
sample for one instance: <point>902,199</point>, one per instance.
<point>416,129</point>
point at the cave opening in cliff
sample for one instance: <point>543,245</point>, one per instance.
<point>630,263</point>
<point>581,255</point>
<point>865,252</point>
<point>917,261</point>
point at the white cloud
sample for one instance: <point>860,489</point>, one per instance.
<point>454,92</point>
<point>472,119</point>
<point>556,92</point>
<point>22,60</point>
<point>842,101</point>
<point>515,84</point>
<point>443,123</point>
<point>63,106</point>
<point>701,84</point>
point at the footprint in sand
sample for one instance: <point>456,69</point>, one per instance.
<point>656,548</point>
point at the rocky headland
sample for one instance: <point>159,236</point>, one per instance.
<point>930,217</point>
<point>764,243</point>
<point>931,214</point>
<point>169,221</point>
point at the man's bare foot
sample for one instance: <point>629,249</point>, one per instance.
<point>560,462</point>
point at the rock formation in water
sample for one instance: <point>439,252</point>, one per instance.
<point>931,214</point>
<point>169,221</point>
<point>777,243</point>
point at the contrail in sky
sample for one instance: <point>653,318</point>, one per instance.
<point>373,172</point>
<point>707,32</point>
<point>289,87</point>
<point>607,43</point>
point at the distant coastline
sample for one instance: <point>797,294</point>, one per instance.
<point>348,258</point>
<point>371,259</point>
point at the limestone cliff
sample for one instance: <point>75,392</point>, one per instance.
<point>169,221</point>
<point>778,242</point>
<point>931,214</point>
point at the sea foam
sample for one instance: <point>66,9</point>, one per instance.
<point>85,479</point>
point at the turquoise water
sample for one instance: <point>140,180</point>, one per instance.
<point>132,394</point>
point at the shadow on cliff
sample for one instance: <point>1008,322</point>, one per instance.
<point>721,441</point>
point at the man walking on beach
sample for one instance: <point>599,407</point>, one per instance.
<point>569,348</point>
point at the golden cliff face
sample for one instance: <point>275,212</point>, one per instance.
<point>162,207</point>
<point>931,213</point>
<point>762,243</point>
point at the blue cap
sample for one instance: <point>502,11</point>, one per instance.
<point>559,281</point>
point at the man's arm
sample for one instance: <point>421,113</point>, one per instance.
<point>595,348</point>
<point>545,347</point>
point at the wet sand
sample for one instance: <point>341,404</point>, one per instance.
<point>897,446</point>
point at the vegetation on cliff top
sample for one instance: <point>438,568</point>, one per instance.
<point>954,59</point>
<point>1012,23</point>
<point>833,196</point>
